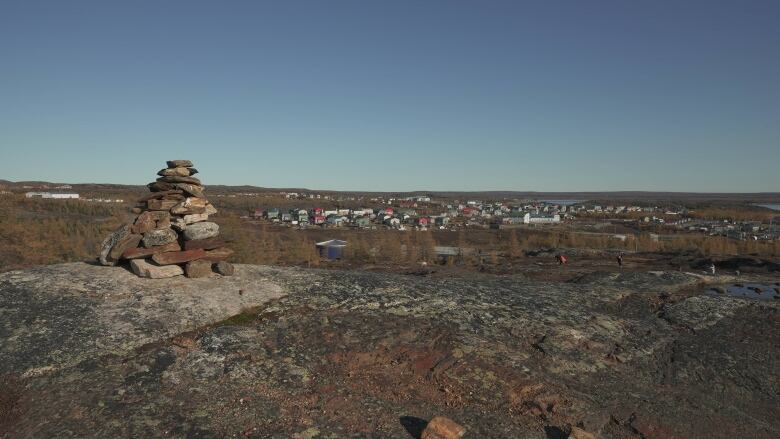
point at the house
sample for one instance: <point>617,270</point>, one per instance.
<point>259,213</point>
<point>330,212</point>
<point>363,221</point>
<point>50,195</point>
<point>442,220</point>
<point>286,217</point>
<point>388,211</point>
<point>272,214</point>
<point>317,211</point>
<point>541,219</point>
<point>423,221</point>
<point>337,220</point>
<point>319,219</point>
<point>392,222</point>
<point>332,249</point>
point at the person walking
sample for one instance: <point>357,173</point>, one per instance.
<point>620,260</point>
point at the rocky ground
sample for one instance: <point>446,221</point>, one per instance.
<point>88,351</point>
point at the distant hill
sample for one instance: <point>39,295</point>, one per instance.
<point>614,196</point>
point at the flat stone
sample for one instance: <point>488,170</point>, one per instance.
<point>193,171</point>
<point>219,254</point>
<point>189,206</point>
<point>224,268</point>
<point>195,218</point>
<point>176,197</point>
<point>179,257</point>
<point>142,268</point>
<point>198,268</point>
<point>196,202</point>
<point>161,204</point>
<point>211,210</point>
<point>192,189</point>
<point>129,242</point>
<point>151,219</point>
<point>174,172</point>
<point>442,428</point>
<point>144,223</point>
<point>178,224</point>
<point>207,244</point>
<point>142,252</point>
<point>160,186</point>
<point>163,223</point>
<point>159,195</point>
<point>109,243</point>
<point>159,237</point>
<point>201,230</point>
<point>179,163</point>
<point>177,179</point>
<point>181,210</point>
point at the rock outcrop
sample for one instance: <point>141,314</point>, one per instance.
<point>91,351</point>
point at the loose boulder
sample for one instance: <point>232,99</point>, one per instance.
<point>111,240</point>
<point>202,230</point>
<point>224,268</point>
<point>144,269</point>
<point>159,237</point>
<point>442,428</point>
<point>198,268</point>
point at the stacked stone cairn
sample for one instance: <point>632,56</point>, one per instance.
<point>171,234</point>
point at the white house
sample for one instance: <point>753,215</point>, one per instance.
<point>50,195</point>
<point>541,219</point>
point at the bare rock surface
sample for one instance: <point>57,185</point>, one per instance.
<point>96,352</point>
<point>58,316</point>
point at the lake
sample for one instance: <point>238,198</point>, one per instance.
<point>770,206</point>
<point>747,291</point>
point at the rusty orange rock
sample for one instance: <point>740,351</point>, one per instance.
<point>169,258</point>
<point>442,428</point>
<point>142,252</point>
<point>578,433</point>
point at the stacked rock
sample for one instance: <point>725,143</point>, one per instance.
<point>171,234</point>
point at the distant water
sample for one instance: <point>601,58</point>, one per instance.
<point>770,206</point>
<point>562,202</point>
<point>747,291</point>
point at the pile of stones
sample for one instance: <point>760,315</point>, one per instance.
<point>171,234</point>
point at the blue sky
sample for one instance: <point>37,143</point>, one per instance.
<point>395,95</point>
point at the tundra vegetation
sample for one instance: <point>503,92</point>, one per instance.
<point>39,231</point>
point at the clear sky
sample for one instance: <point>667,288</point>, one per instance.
<point>395,95</point>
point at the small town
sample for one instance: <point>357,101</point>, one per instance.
<point>426,213</point>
